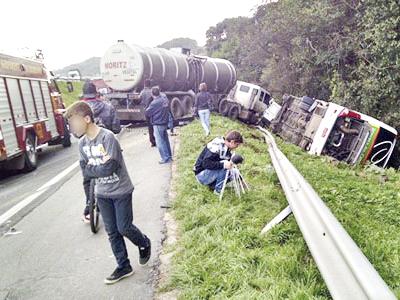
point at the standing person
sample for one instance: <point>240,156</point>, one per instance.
<point>158,112</point>
<point>202,105</point>
<point>101,159</point>
<point>215,159</point>
<point>146,98</point>
<point>104,113</point>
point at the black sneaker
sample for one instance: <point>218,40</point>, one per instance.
<point>145,253</point>
<point>118,274</point>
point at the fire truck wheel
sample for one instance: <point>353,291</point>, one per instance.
<point>30,153</point>
<point>66,141</point>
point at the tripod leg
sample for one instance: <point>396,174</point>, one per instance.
<point>244,182</point>
<point>240,179</point>
<point>224,185</point>
<point>236,184</point>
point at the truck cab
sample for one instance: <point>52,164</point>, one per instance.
<point>245,101</point>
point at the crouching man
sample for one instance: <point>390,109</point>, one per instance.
<point>214,161</point>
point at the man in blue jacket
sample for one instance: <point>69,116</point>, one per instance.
<point>158,113</point>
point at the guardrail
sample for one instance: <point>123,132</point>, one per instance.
<point>346,271</point>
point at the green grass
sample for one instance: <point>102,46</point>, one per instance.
<point>220,253</point>
<point>68,97</point>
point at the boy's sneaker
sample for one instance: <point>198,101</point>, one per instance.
<point>118,274</point>
<point>145,253</point>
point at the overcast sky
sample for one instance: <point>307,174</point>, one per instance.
<point>72,31</point>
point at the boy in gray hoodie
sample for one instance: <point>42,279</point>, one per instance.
<point>101,159</point>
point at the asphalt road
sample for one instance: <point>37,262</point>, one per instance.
<point>52,253</point>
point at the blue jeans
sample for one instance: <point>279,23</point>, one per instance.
<point>204,116</point>
<point>117,217</point>
<point>162,141</point>
<point>207,177</point>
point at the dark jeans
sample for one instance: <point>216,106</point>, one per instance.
<point>162,140</point>
<point>151,132</point>
<point>117,217</point>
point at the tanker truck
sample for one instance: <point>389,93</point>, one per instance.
<point>124,69</point>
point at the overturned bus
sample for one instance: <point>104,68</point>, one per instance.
<point>326,128</point>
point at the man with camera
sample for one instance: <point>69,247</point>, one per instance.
<point>215,160</point>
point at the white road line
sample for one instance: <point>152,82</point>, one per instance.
<point>59,176</point>
<point>22,204</point>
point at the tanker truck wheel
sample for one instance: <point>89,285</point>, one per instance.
<point>176,108</point>
<point>233,112</point>
<point>223,107</point>
<point>30,153</point>
<point>187,104</point>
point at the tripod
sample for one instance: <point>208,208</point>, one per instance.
<point>237,181</point>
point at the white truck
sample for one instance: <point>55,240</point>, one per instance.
<point>245,101</point>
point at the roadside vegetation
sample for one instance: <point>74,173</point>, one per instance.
<point>220,252</point>
<point>70,97</point>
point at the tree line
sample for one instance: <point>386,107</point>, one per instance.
<point>345,51</point>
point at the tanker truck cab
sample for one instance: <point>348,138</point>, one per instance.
<point>30,113</point>
<point>246,101</point>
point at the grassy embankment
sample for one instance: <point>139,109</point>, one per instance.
<point>220,253</point>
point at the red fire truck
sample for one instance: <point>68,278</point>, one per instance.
<point>30,113</point>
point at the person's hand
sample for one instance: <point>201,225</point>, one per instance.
<point>106,158</point>
<point>228,164</point>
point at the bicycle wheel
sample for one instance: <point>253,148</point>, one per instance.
<point>93,208</point>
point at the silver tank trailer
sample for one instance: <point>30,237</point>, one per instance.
<point>124,69</point>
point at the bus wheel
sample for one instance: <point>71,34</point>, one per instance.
<point>176,108</point>
<point>233,112</point>
<point>223,107</point>
<point>187,104</point>
<point>66,141</point>
<point>30,153</point>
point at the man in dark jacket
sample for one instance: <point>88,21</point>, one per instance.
<point>214,161</point>
<point>104,113</point>
<point>158,113</point>
<point>146,98</point>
